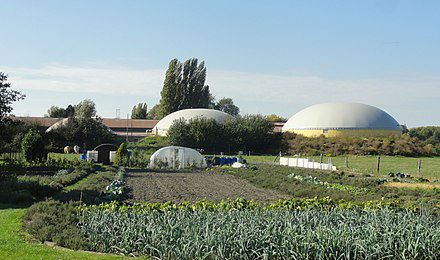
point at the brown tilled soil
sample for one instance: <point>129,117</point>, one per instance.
<point>191,186</point>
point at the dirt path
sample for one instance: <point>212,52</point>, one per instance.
<point>178,187</point>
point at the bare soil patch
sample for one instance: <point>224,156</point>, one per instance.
<point>191,186</point>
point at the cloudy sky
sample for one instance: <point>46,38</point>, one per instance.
<point>269,56</point>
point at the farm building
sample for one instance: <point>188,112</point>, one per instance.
<point>342,119</point>
<point>163,125</point>
<point>130,128</point>
<point>176,157</point>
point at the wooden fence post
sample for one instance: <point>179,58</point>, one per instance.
<point>378,165</point>
<point>419,167</point>
<point>346,162</point>
<point>320,158</point>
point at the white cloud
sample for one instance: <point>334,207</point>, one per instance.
<point>253,92</point>
<point>87,79</point>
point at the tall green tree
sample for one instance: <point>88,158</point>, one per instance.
<point>56,112</point>
<point>59,112</point>
<point>275,118</point>
<point>85,109</point>
<point>85,132</point>
<point>70,111</point>
<point>139,111</point>
<point>8,129</point>
<point>155,112</point>
<point>227,105</point>
<point>7,96</point>
<point>184,87</point>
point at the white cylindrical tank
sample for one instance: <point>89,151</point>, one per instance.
<point>112,156</point>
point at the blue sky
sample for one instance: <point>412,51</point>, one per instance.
<point>269,56</point>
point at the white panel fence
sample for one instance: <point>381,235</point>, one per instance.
<point>306,163</point>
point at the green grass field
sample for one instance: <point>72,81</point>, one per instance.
<point>14,246</point>
<point>367,164</point>
<point>58,156</point>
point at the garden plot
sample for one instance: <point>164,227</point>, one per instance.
<point>191,186</point>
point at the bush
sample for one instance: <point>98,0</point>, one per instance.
<point>85,132</point>
<point>54,221</point>
<point>33,147</point>
<point>248,133</point>
<point>403,145</point>
<point>122,156</point>
<point>252,133</point>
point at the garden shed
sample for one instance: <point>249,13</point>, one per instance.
<point>104,152</point>
<point>177,157</point>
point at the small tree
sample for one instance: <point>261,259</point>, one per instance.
<point>179,134</point>
<point>70,111</point>
<point>227,105</point>
<point>155,112</point>
<point>56,112</point>
<point>275,118</point>
<point>85,109</point>
<point>7,96</point>
<point>139,111</point>
<point>251,133</point>
<point>32,146</point>
<point>122,156</point>
<point>85,132</point>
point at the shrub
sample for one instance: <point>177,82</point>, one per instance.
<point>248,133</point>
<point>85,132</point>
<point>403,145</point>
<point>33,147</point>
<point>428,134</point>
<point>122,156</point>
<point>51,220</point>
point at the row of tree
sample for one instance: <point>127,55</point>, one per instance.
<point>85,109</point>
<point>243,133</point>
<point>184,87</point>
<point>84,127</point>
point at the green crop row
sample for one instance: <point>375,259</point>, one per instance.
<point>244,204</point>
<point>264,234</point>
<point>338,186</point>
<point>28,188</point>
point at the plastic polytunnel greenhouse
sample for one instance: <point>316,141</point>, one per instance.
<point>177,157</point>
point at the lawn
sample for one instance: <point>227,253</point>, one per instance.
<point>367,164</point>
<point>13,245</point>
<point>59,156</point>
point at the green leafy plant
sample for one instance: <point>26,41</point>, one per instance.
<point>308,229</point>
<point>33,147</point>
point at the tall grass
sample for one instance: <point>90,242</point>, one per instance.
<point>265,234</point>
